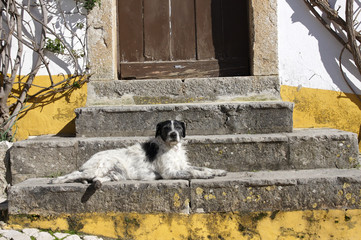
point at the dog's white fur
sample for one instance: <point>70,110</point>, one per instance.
<point>161,157</point>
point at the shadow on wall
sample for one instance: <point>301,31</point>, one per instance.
<point>52,113</point>
<point>330,48</point>
<point>330,52</point>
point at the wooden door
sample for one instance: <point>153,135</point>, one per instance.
<point>182,38</point>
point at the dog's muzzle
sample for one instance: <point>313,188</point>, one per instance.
<point>173,137</point>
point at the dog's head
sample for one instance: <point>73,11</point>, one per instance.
<point>171,131</point>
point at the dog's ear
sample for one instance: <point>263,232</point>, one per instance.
<point>184,128</point>
<point>158,131</point>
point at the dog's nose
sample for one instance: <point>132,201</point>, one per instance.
<point>173,135</point>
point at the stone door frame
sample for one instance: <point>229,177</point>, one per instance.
<point>102,39</point>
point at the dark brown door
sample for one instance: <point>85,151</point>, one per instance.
<point>183,38</point>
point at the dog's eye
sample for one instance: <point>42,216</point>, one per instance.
<point>166,128</point>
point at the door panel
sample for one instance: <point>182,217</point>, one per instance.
<point>130,22</point>
<point>206,29</point>
<point>156,30</point>
<point>183,38</point>
<point>232,34</point>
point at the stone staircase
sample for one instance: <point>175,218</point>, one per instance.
<point>273,167</point>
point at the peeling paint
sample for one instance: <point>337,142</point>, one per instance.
<point>316,108</point>
<point>209,197</point>
<point>176,200</point>
<point>199,191</point>
<point>310,224</point>
<point>340,193</point>
<point>271,188</point>
<point>348,196</point>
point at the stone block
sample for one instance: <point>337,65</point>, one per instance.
<point>5,178</point>
<point>323,147</point>
<point>263,37</point>
<point>235,153</point>
<point>36,196</point>
<point>278,191</point>
<point>237,192</point>
<point>45,156</point>
<point>155,91</point>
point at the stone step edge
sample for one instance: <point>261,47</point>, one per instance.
<point>237,192</point>
<point>183,106</point>
<point>153,91</point>
<point>302,149</point>
<point>203,118</point>
<point>303,133</point>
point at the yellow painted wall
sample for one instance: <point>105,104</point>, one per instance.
<point>315,108</point>
<point>315,224</point>
<point>53,115</point>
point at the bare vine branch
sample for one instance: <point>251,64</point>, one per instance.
<point>351,33</point>
<point>347,25</point>
<point>25,24</point>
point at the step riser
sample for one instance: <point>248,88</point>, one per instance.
<point>166,91</point>
<point>303,149</point>
<point>201,119</point>
<point>304,190</point>
<point>238,192</point>
<point>129,196</point>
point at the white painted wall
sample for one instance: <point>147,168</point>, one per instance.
<point>59,64</point>
<point>308,53</point>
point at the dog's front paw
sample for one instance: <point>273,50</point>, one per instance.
<point>97,184</point>
<point>220,172</point>
<point>54,181</point>
<point>205,174</point>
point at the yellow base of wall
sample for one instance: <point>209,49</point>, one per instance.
<point>53,115</point>
<point>315,224</point>
<point>315,108</point>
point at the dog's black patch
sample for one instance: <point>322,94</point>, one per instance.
<point>151,150</point>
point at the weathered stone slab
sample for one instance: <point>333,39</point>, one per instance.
<point>237,192</point>
<point>322,147</point>
<point>49,156</point>
<point>201,119</point>
<point>156,91</point>
<point>278,191</point>
<point>302,149</point>
<point>36,196</point>
<point>4,167</point>
<point>246,152</point>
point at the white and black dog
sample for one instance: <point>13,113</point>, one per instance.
<point>162,157</point>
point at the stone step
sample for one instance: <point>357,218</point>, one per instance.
<point>237,192</point>
<point>163,91</point>
<point>48,156</point>
<point>201,118</point>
